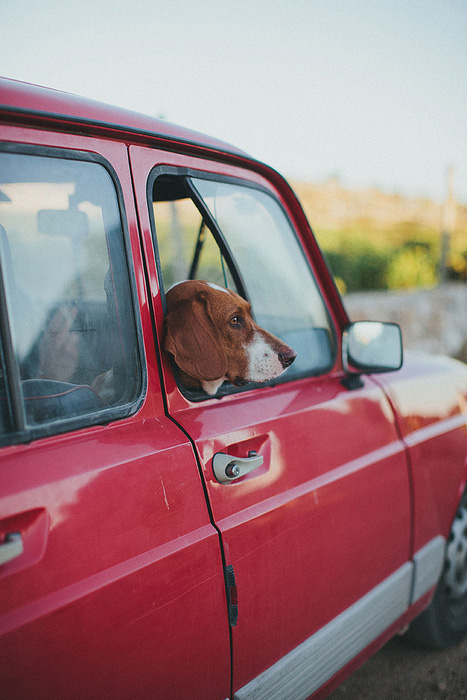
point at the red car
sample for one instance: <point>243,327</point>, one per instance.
<point>131,565</point>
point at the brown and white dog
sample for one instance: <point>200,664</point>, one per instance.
<point>213,338</point>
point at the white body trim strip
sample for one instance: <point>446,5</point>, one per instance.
<point>307,667</point>
<point>428,562</point>
<point>436,429</point>
<point>311,664</point>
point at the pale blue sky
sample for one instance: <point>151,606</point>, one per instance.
<point>374,91</point>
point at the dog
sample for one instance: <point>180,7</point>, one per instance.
<point>213,338</point>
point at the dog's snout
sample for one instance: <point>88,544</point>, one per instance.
<point>286,356</point>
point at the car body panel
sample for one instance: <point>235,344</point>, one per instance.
<point>286,530</point>
<point>429,395</point>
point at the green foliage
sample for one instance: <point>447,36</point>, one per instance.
<point>457,269</point>
<point>412,266</point>
<point>359,268</point>
<point>402,256</point>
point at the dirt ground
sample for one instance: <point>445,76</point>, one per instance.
<point>401,671</point>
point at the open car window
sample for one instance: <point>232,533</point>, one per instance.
<point>69,341</point>
<point>239,236</point>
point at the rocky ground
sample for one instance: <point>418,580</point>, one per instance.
<point>401,671</point>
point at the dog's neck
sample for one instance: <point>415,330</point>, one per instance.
<point>212,387</point>
<point>209,387</point>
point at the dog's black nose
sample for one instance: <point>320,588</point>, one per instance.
<point>287,356</point>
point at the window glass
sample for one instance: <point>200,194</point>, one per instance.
<point>187,248</point>
<point>283,293</point>
<point>263,247</point>
<point>68,294</point>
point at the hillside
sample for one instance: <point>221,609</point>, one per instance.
<point>329,205</point>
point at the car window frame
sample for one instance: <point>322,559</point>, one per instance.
<point>107,414</point>
<point>157,171</point>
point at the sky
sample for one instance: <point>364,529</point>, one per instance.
<point>369,91</point>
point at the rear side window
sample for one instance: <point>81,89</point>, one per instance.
<point>69,340</point>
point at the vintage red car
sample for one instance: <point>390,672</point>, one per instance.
<point>132,566</point>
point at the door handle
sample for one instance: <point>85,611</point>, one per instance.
<point>12,547</point>
<point>228,468</point>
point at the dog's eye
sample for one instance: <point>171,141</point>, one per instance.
<point>236,321</point>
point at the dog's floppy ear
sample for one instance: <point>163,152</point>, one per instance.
<point>194,341</point>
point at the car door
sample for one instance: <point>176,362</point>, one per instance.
<point>318,534</point>
<point>111,576</point>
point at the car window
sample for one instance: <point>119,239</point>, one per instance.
<point>186,245</point>
<point>281,288</point>
<point>70,320</point>
<point>262,260</point>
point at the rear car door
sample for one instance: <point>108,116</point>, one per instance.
<point>111,576</point>
<point>318,535</point>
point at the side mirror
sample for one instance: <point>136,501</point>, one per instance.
<point>371,346</point>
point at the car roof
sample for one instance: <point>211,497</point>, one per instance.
<point>33,100</point>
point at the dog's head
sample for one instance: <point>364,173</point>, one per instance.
<point>212,337</point>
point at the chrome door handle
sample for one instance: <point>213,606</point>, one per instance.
<point>228,468</point>
<point>11,548</point>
